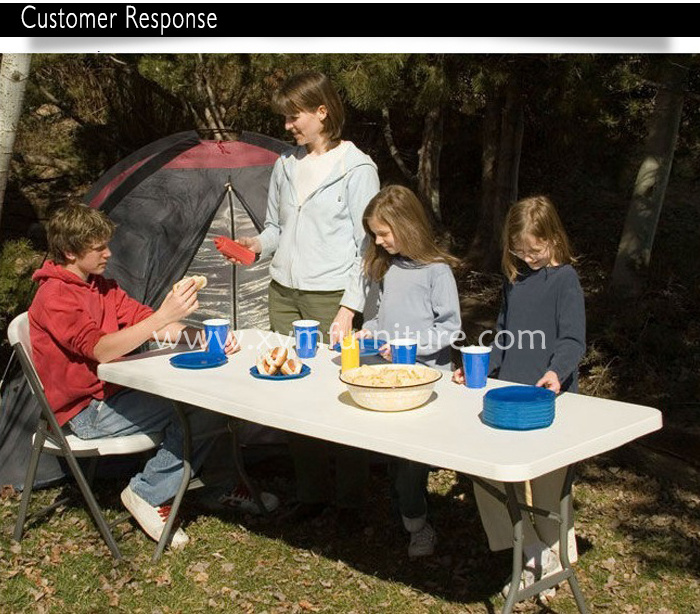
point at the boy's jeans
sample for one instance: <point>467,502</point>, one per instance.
<point>132,411</point>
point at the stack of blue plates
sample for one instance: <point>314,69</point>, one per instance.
<point>520,408</point>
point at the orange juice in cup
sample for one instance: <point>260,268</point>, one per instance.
<point>349,353</point>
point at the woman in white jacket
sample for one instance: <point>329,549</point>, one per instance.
<point>314,233</point>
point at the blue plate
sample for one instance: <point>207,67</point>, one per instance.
<point>519,408</point>
<point>197,360</point>
<point>368,347</point>
<point>305,370</point>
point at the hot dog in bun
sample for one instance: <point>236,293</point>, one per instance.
<point>291,366</point>
<point>265,367</point>
<point>277,356</point>
<point>278,361</point>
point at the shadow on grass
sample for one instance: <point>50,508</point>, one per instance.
<point>660,518</point>
<point>462,568</point>
<point>659,525</point>
<point>462,571</point>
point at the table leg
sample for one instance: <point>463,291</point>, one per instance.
<point>564,539</point>
<point>186,474</point>
<point>516,519</point>
<point>515,511</point>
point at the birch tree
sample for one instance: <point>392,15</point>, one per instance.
<point>634,251</point>
<point>13,80</point>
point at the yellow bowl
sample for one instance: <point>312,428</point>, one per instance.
<point>391,387</point>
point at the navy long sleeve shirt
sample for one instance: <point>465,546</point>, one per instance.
<point>541,327</point>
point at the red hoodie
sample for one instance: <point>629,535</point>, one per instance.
<point>67,318</point>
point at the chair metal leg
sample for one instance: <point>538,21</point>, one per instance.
<point>39,439</point>
<point>95,510</point>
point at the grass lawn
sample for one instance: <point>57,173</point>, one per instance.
<point>637,537</point>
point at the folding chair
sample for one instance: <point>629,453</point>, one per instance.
<point>50,438</point>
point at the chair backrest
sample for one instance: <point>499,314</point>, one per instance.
<point>18,336</point>
<point>18,332</point>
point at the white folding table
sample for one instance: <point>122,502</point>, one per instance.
<point>446,432</point>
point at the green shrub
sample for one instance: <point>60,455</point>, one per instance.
<point>17,263</point>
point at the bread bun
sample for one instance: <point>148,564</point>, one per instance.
<point>291,367</point>
<point>200,282</point>
<point>265,367</point>
<point>277,356</point>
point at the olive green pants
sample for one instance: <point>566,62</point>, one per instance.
<point>313,457</point>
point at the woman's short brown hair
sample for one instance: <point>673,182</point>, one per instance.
<point>74,229</point>
<point>307,91</point>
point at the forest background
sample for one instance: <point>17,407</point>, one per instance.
<point>613,139</point>
<point>470,133</point>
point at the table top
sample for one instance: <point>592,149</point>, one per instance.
<point>446,432</point>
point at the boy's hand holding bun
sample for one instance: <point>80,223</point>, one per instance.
<point>200,282</point>
<point>181,301</point>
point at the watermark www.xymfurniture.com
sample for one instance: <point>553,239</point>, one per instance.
<point>263,340</point>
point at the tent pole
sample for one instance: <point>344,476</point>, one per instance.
<point>234,305</point>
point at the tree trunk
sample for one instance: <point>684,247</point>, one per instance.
<point>393,149</point>
<point>429,162</point>
<point>634,251</point>
<point>427,180</point>
<point>212,112</point>
<point>509,152</point>
<point>13,81</point>
<point>500,164</point>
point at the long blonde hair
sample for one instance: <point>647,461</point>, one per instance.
<point>538,217</point>
<point>402,211</point>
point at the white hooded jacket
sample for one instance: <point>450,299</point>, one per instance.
<point>318,244</point>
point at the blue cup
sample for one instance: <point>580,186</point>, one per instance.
<point>403,351</point>
<point>475,362</point>
<point>215,333</point>
<point>307,336</point>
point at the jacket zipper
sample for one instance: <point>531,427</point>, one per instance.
<point>298,212</point>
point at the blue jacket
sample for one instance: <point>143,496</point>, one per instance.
<point>318,244</point>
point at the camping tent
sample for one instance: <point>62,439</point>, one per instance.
<point>169,200</point>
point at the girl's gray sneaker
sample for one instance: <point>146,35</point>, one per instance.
<point>422,542</point>
<point>536,570</point>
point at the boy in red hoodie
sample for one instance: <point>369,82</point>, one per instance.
<point>79,319</point>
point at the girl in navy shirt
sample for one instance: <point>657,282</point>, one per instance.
<point>540,339</point>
